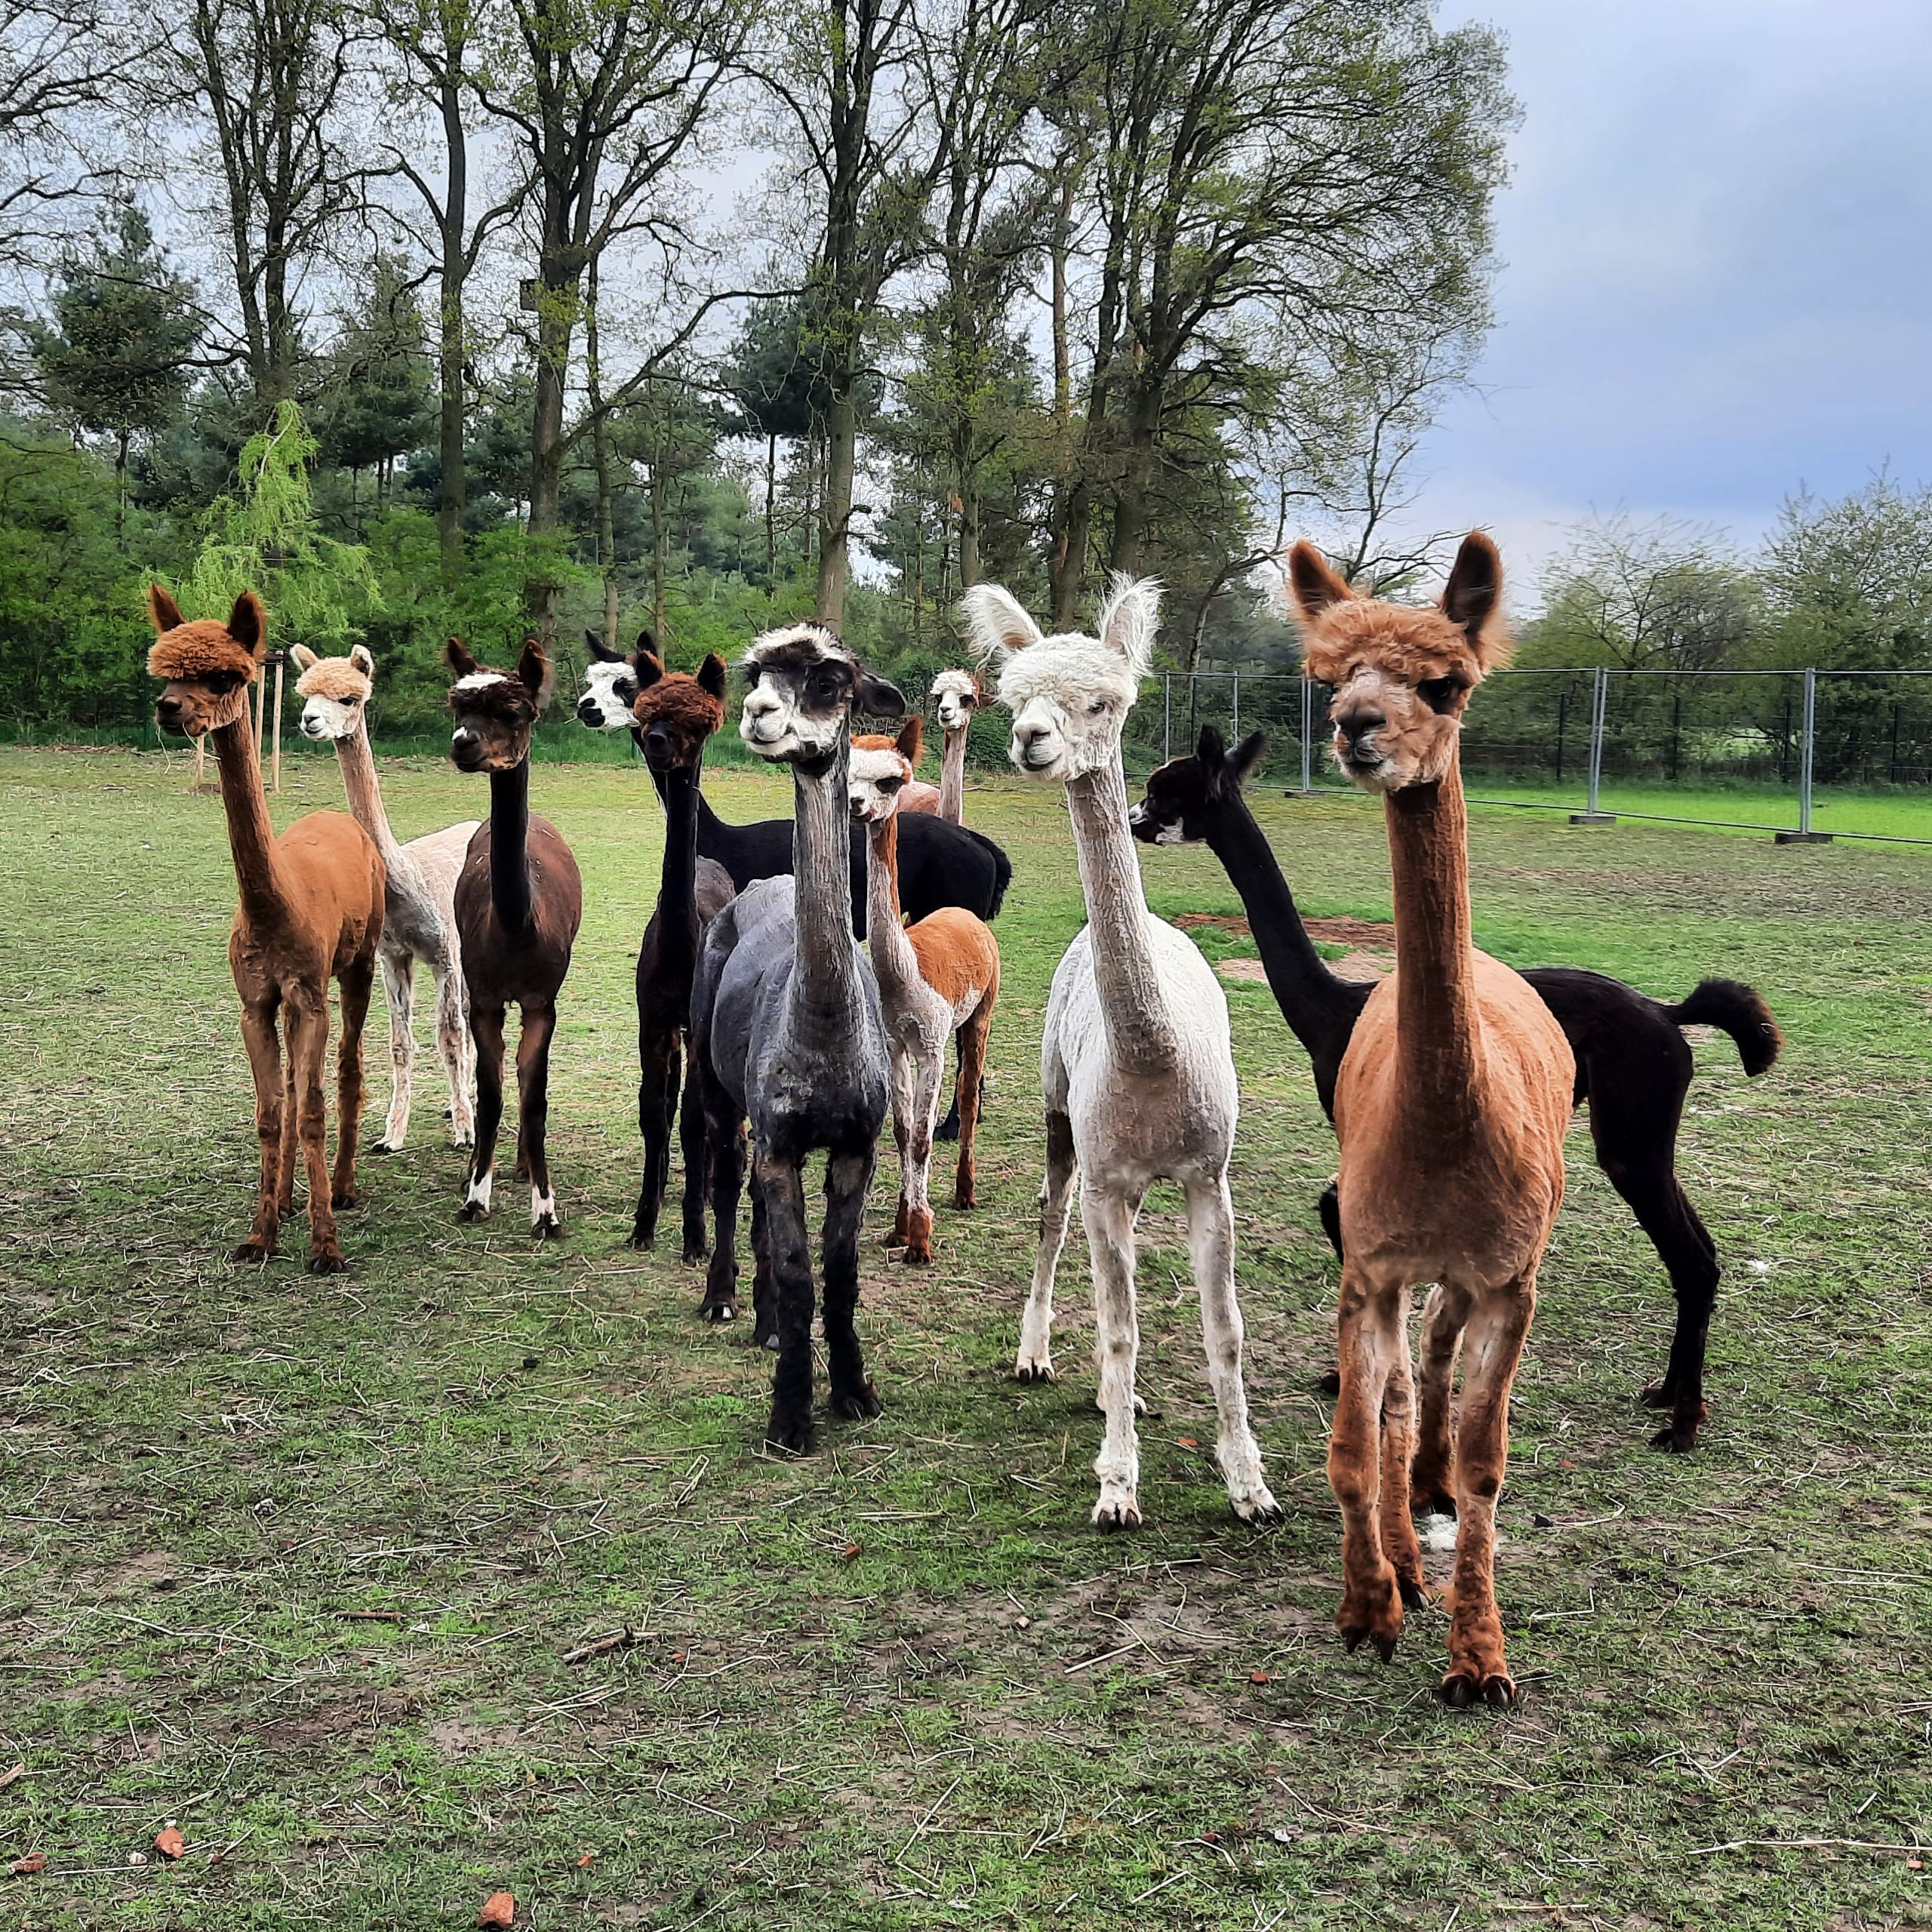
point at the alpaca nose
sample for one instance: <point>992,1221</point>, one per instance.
<point>168,709</point>
<point>586,710</point>
<point>1355,726</point>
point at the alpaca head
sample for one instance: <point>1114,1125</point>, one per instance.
<point>1402,676</point>
<point>956,696</point>
<point>205,667</point>
<point>804,685</point>
<point>1185,793</point>
<point>611,683</point>
<point>335,691</point>
<point>1070,694</point>
<point>881,769</point>
<point>674,713</point>
<point>495,711</point>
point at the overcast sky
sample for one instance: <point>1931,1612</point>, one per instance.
<point>1717,266</point>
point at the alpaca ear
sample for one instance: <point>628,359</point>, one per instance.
<point>359,656</point>
<point>164,611</point>
<point>710,677</point>
<point>1244,758</point>
<point>601,653</point>
<point>1210,748</point>
<point>1312,586</point>
<point>248,624</point>
<point>456,654</point>
<point>912,738</point>
<point>880,698</point>
<point>533,670</point>
<point>997,624</point>
<point>303,658</point>
<point>647,667</point>
<point>1472,599</point>
<point>646,642</point>
<point>1131,620</point>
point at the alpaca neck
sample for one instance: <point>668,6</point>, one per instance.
<point>1439,1042</point>
<point>824,983</point>
<point>250,835</point>
<point>893,960</point>
<point>952,777</point>
<point>509,857</point>
<point>1131,1000</point>
<point>677,885</point>
<point>1319,1007</point>
<point>365,795</point>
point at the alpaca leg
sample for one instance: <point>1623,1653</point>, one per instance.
<point>765,1293</point>
<point>258,1035</point>
<point>1210,1235</point>
<point>533,1120</point>
<point>1493,1346</point>
<point>308,1044</point>
<point>399,989</point>
<point>724,1159</point>
<point>1431,1480</point>
<point>1036,1326</point>
<point>454,1046</point>
<point>657,1112</point>
<point>904,1082</point>
<point>972,1073</point>
<point>1371,1318</point>
<point>696,1156</point>
<point>846,1178</point>
<point>926,1076</point>
<point>1684,1244</point>
<point>358,982</point>
<point>782,1185</point>
<point>1400,1544</point>
<point>486,1027</point>
<point>950,1128</point>
<point>291,1143</point>
<point>1109,1215</point>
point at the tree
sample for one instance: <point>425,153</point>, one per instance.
<point>1849,582</point>
<point>377,401</point>
<point>116,360</point>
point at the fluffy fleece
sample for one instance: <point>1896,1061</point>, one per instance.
<point>336,678</point>
<point>183,649</point>
<point>682,701</point>
<point>1342,629</point>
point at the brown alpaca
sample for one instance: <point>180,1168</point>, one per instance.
<point>1450,1107</point>
<point>310,910</point>
<point>519,900</point>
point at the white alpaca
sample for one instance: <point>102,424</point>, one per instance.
<point>1136,1063</point>
<point>956,696</point>
<point>418,917</point>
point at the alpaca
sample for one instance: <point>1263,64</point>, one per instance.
<point>1633,1066</point>
<point>1450,1107</point>
<point>419,914</point>
<point>1135,1060</point>
<point>939,980</point>
<point>939,864</point>
<point>786,1029</point>
<point>956,696</point>
<point>518,903</point>
<point>916,796</point>
<point>675,715</point>
<point>310,910</point>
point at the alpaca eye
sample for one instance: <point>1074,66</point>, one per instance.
<point>1094,709</point>
<point>1438,694</point>
<point>890,785</point>
<point>222,682</point>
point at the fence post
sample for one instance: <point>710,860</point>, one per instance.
<point>1167,717</point>
<point>1599,712</point>
<point>1234,720</point>
<point>1807,745</point>
<point>1307,732</point>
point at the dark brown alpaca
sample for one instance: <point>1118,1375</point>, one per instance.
<point>675,714</point>
<point>311,910</point>
<point>518,903</point>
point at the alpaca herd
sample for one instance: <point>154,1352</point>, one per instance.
<point>799,980</point>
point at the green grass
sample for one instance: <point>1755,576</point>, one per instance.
<point>1883,813</point>
<point>295,1561</point>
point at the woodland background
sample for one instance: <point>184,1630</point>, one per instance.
<point>481,315</point>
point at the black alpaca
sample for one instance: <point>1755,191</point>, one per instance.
<point>1633,1065</point>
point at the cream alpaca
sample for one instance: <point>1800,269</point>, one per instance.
<point>956,696</point>
<point>1136,1061</point>
<point>419,918</point>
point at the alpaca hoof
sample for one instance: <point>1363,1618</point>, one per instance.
<point>462,1140</point>
<point>1033,1368</point>
<point>472,1210</point>
<point>791,1436</point>
<point>719,1311</point>
<point>858,1404</point>
<point>1258,1508</point>
<point>1461,1688</point>
<point>1362,1621</point>
<point>1414,1592</point>
<point>327,1261</point>
<point>965,1201</point>
<point>917,1256</point>
<point>897,1238</point>
<point>546,1227</point>
<point>947,1130</point>
<point>1657,1394</point>
<point>695,1252</point>
<point>385,1146</point>
<point>522,1170</point>
<point>1328,1383</point>
<point>252,1250</point>
<point>1110,1515</point>
<point>641,1237</point>
<point>342,1197</point>
<point>1674,1441</point>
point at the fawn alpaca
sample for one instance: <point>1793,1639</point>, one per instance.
<point>310,910</point>
<point>1450,1107</point>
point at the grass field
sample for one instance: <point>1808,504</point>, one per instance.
<point>295,1562</point>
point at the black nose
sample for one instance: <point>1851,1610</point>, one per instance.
<point>168,707</point>
<point>586,710</point>
<point>1356,725</point>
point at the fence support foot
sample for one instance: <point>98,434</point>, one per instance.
<point>1800,838</point>
<point>1592,818</point>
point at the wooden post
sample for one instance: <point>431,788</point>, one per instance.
<point>281,658</point>
<point>200,758</point>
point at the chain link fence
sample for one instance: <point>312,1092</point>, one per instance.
<point>1752,750</point>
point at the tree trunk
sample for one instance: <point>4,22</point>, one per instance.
<point>453,498</point>
<point>841,450</point>
<point>600,456</point>
<point>770,528</point>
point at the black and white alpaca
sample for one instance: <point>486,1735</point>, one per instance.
<point>939,864</point>
<point>1633,1066</point>
<point>786,1029</point>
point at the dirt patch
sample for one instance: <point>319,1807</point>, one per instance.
<point>1375,934</point>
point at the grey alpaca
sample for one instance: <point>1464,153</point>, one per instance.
<point>786,1029</point>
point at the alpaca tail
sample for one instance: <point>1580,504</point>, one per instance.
<point>1740,1011</point>
<point>1002,878</point>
